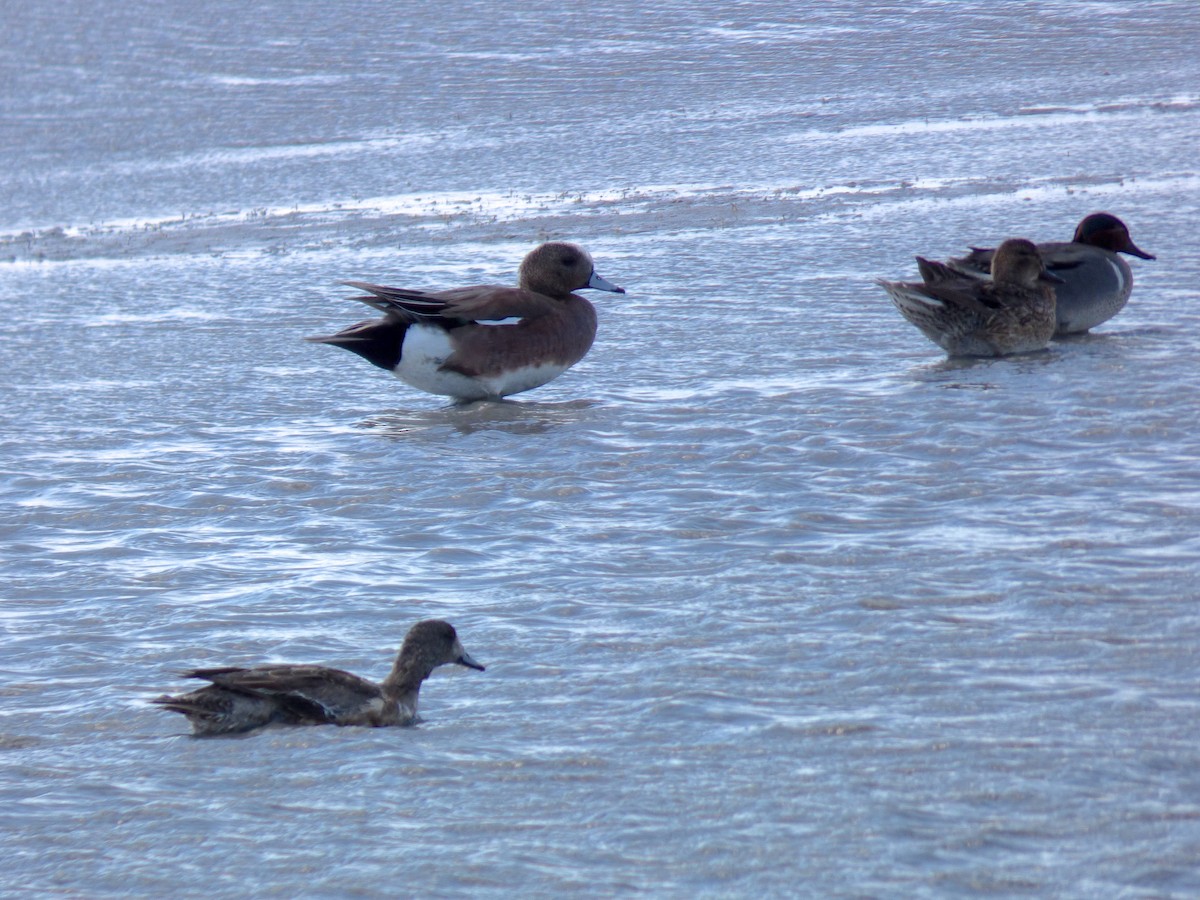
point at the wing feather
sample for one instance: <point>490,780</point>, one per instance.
<point>482,303</point>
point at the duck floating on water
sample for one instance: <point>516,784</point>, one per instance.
<point>966,316</point>
<point>242,699</point>
<point>488,341</point>
<point>1096,281</point>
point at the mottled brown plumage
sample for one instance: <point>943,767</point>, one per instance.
<point>1012,313</point>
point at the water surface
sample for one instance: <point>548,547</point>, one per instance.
<point>770,593</point>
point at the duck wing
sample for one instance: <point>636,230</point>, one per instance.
<point>486,302</point>
<point>1063,257</point>
<point>1057,256</point>
<point>976,264</point>
<point>953,288</point>
<point>303,692</point>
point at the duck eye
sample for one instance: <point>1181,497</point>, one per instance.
<point>569,259</point>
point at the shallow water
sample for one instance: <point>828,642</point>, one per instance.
<point>770,593</point>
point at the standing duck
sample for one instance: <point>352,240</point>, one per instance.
<point>1096,282</point>
<point>243,699</point>
<point>966,316</point>
<point>488,341</point>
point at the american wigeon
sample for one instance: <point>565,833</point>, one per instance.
<point>965,316</point>
<point>457,342</point>
<point>243,699</point>
<point>1096,281</point>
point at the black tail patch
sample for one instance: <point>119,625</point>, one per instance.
<point>378,341</point>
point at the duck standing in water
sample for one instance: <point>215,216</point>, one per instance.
<point>1096,282</point>
<point>243,699</point>
<point>965,316</point>
<point>488,341</point>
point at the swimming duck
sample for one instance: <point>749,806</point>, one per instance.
<point>243,699</point>
<point>484,342</point>
<point>966,316</point>
<point>1096,282</point>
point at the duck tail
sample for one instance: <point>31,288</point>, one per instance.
<point>378,341</point>
<point>179,704</point>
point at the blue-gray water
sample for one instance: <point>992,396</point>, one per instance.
<point>774,599</point>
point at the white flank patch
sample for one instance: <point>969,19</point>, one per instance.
<point>518,380</point>
<point>426,349</point>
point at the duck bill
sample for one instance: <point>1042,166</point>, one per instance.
<point>1133,250</point>
<point>603,284</point>
<point>465,659</point>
